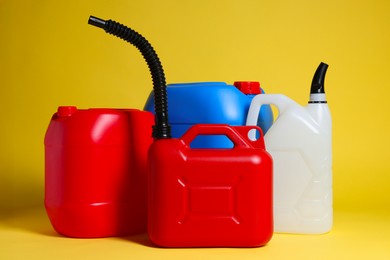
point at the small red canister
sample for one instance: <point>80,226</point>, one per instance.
<point>210,197</point>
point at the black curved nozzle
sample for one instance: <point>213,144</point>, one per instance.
<point>162,129</point>
<point>317,84</point>
<point>96,22</point>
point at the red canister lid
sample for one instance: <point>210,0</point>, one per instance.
<point>248,87</point>
<point>65,111</point>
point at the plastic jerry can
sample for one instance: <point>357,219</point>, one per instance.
<point>300,142</point>
<point>210,197</point>
<point>211,103</point>
<point>96,171</point>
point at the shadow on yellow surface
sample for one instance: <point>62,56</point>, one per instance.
<point>357,235</point>
<point>36,222</point>
<point>33,221</point>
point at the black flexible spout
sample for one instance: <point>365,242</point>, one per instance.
<point>317,84</point>
<point>161,130</point>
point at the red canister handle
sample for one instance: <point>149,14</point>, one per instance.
<point>237,134</point>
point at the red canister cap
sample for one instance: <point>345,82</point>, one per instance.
<point>248,87</point>
<point>65,111</point>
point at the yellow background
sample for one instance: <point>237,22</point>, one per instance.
<point>50,56</point>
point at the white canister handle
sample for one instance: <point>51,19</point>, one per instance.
<point>282,102</point>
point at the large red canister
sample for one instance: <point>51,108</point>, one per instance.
<point>96,171</point>
<point>210,197</point>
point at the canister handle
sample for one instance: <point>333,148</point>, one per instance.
<point>280,101</point>
<point>239,135</point>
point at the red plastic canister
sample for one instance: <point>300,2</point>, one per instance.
<point>210,197</point>
<point>96,171</point>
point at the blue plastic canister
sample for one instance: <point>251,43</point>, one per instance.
<point>211,103</point>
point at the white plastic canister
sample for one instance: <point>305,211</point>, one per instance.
<point>300,142</point>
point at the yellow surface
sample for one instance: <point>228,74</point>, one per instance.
<point>355,236</point>
<point>50,56</point>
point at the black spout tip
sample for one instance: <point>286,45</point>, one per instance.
<point>96,22</point>
<point>317,84</point>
